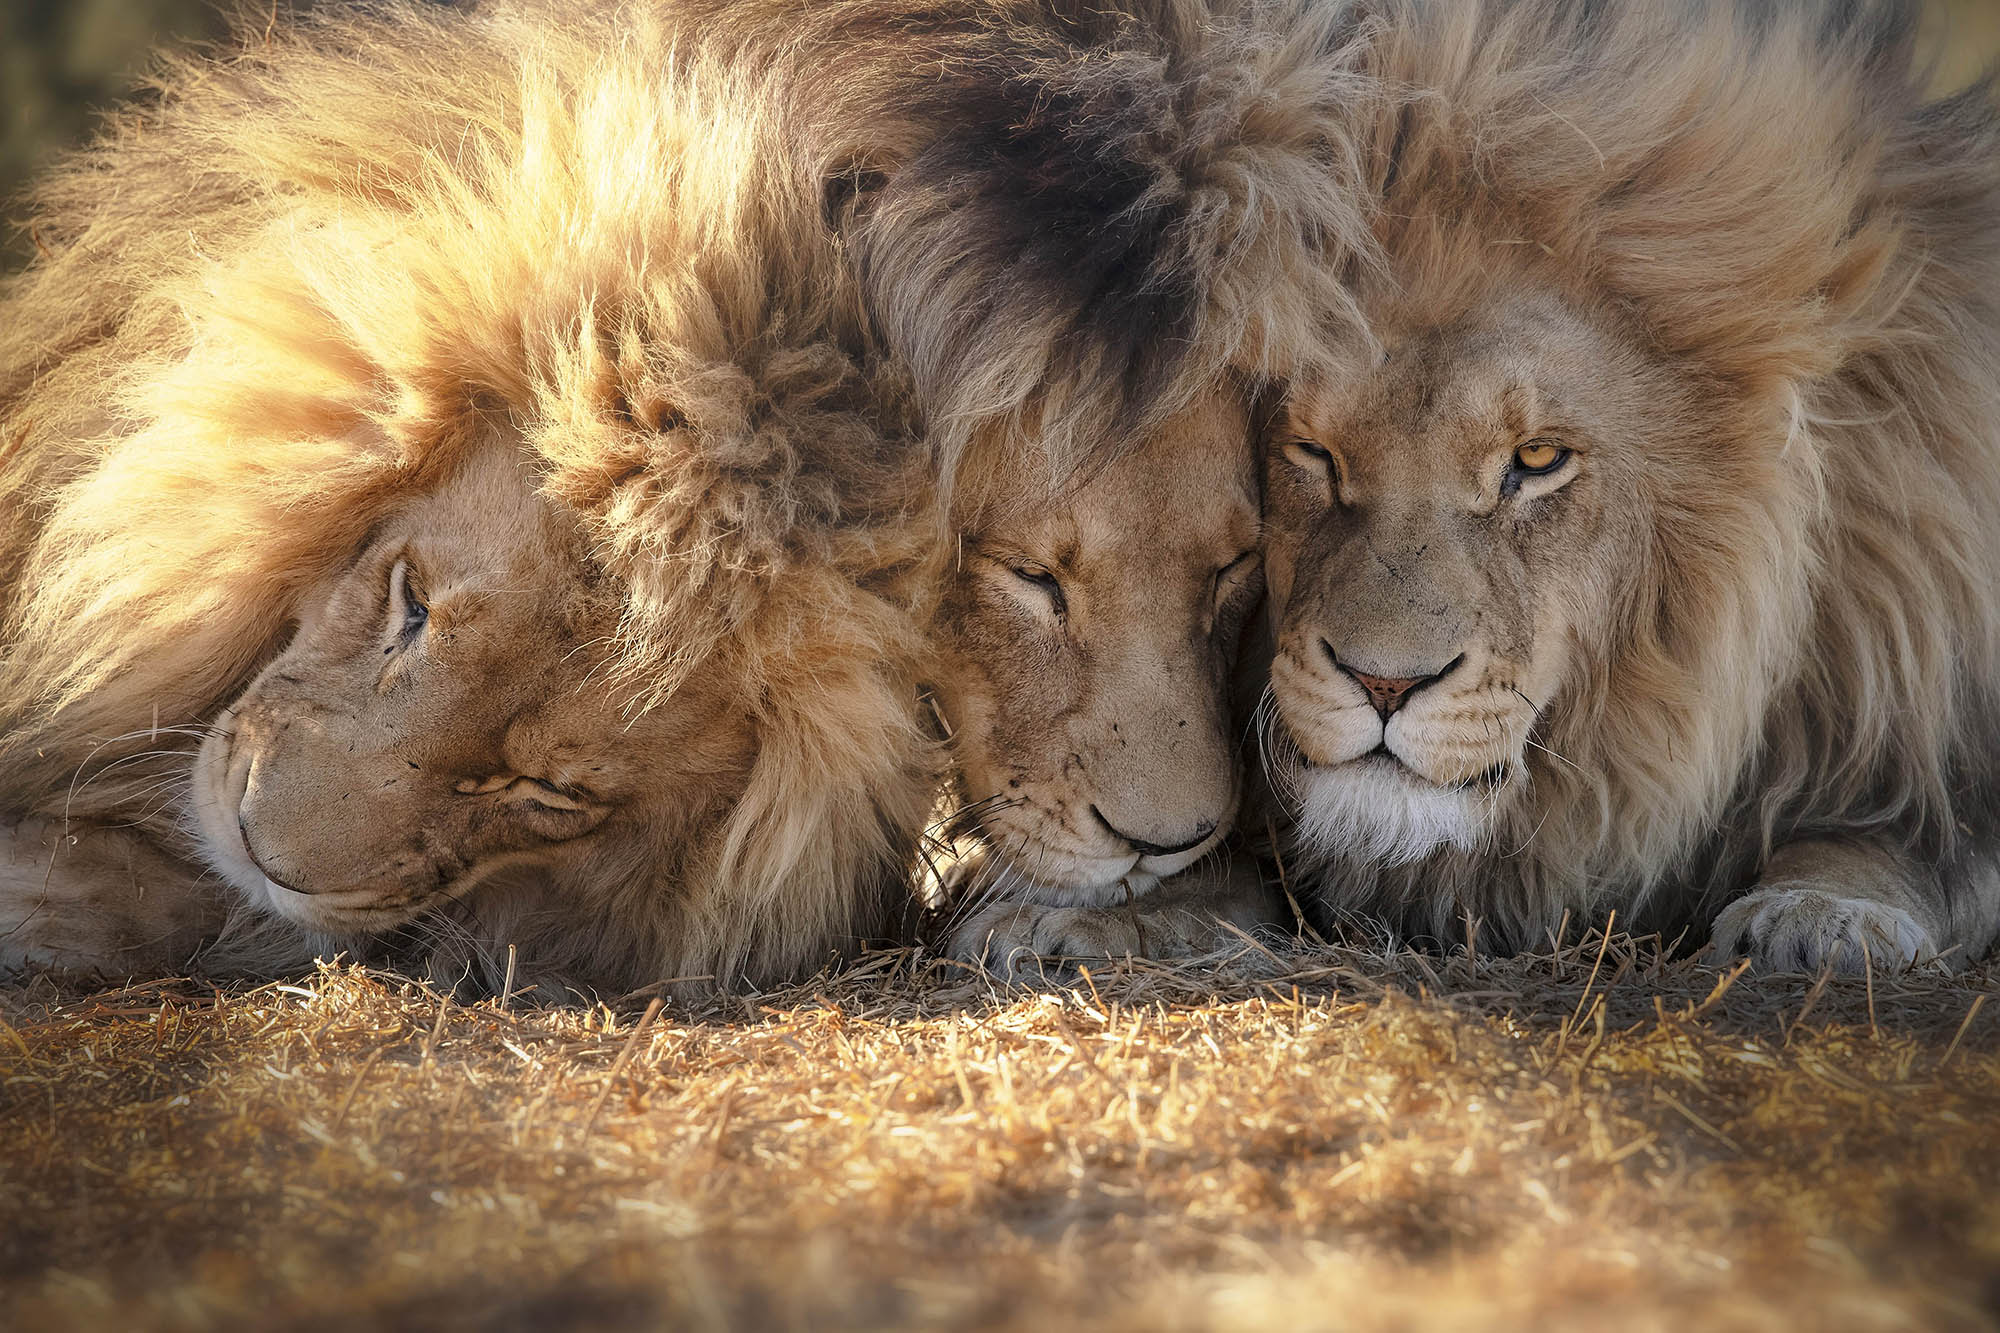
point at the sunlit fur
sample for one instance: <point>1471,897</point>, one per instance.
<point>1087,706</point>
<point>297,292</point>
<point>1788,624</point>
<point>1220,175</point>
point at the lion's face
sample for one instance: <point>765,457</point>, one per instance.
<point>1088,647</point>
<point>435,724</point>
<point>1452,537</point>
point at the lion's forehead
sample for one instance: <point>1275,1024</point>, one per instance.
<point>1438,392</point>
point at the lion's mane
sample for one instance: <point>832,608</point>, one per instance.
<point>748,279</point>
<point>300,284</point>
<point>1764,193</point>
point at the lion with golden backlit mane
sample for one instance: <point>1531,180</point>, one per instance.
<point>1645,557</point>
<point>493,513</point>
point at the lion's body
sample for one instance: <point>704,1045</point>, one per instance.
<point>1740,285</point>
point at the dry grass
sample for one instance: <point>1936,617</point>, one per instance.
<point>1323,1139</point>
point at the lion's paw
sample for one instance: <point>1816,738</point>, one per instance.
<point>1026,941</point>
<point>1797,929</point>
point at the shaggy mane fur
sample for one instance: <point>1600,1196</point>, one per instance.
<point>296,291</point>
<point>1763,196</point>
<point>707,260</point>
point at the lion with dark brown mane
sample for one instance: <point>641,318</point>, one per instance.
<point>1645,555</point>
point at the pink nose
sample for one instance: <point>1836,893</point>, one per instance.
<point>1387,693</point>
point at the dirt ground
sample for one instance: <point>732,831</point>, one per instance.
<point>1329,1138</point>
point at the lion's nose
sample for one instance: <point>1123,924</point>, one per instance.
<point>1145,848</point>
<point>1389,693</point>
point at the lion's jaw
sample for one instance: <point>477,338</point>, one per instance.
<point>434,724</point>
<point>1088,646</point>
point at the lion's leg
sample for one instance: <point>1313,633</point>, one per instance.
<point>1853,904</point>
<point>1201,911</point>
<point>97,900</point>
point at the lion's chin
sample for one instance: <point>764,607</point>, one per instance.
<point>1374,809</point>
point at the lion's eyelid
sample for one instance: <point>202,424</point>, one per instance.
<point>547,794</point>
<point>406,610</point>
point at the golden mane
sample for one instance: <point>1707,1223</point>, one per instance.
<point>707,261</point>
<point>320,273</point>
<point>1762,196</point>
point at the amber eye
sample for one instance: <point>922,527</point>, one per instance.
<point>1539,456</point>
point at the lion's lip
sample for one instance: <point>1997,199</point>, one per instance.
<point>250,854</point>
<point>1383,757</point>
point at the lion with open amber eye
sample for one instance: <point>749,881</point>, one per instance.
<point>1645,560</point>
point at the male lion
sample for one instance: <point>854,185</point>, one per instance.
<point>1085,654</point>
<point>445,488</point>
<point>455,495</point>
<point>1087,638</point>
<point>1647,558</point>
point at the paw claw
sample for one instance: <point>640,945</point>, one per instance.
<point>1794,928</point>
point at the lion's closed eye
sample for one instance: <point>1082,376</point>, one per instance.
<point>547,795</point>
<point>518,787</point>
<point>408,615</point>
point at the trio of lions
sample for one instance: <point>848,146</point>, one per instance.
<point>654,488</point>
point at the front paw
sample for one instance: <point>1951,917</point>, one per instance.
<point>1797,929</point>
<point>1027,941</point>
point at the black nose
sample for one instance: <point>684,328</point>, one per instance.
<point>1389,693</point>
<point>1144,848</point>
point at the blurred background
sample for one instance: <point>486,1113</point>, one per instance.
<point>63,61</point>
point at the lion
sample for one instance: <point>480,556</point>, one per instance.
<point>1085,655</point>
<point>530,434</point>
<point>1089,627</point>
<point>1641,563</point>
<point>509,552</point>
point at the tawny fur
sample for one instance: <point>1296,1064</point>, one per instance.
<point>1805,256</point>
<point>297,291</point>
<point>673,248</point>
<point>1221,171</point>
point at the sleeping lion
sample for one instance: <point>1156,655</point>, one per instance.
<point>1085,653</point>
<point>1645,557</point>
<point>485,516</point>
<point>1087,639</point>
<point>486,548</point>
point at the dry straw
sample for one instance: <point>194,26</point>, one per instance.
<point>1336,1137</point>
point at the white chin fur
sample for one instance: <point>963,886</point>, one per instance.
<point>1367,810</point>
